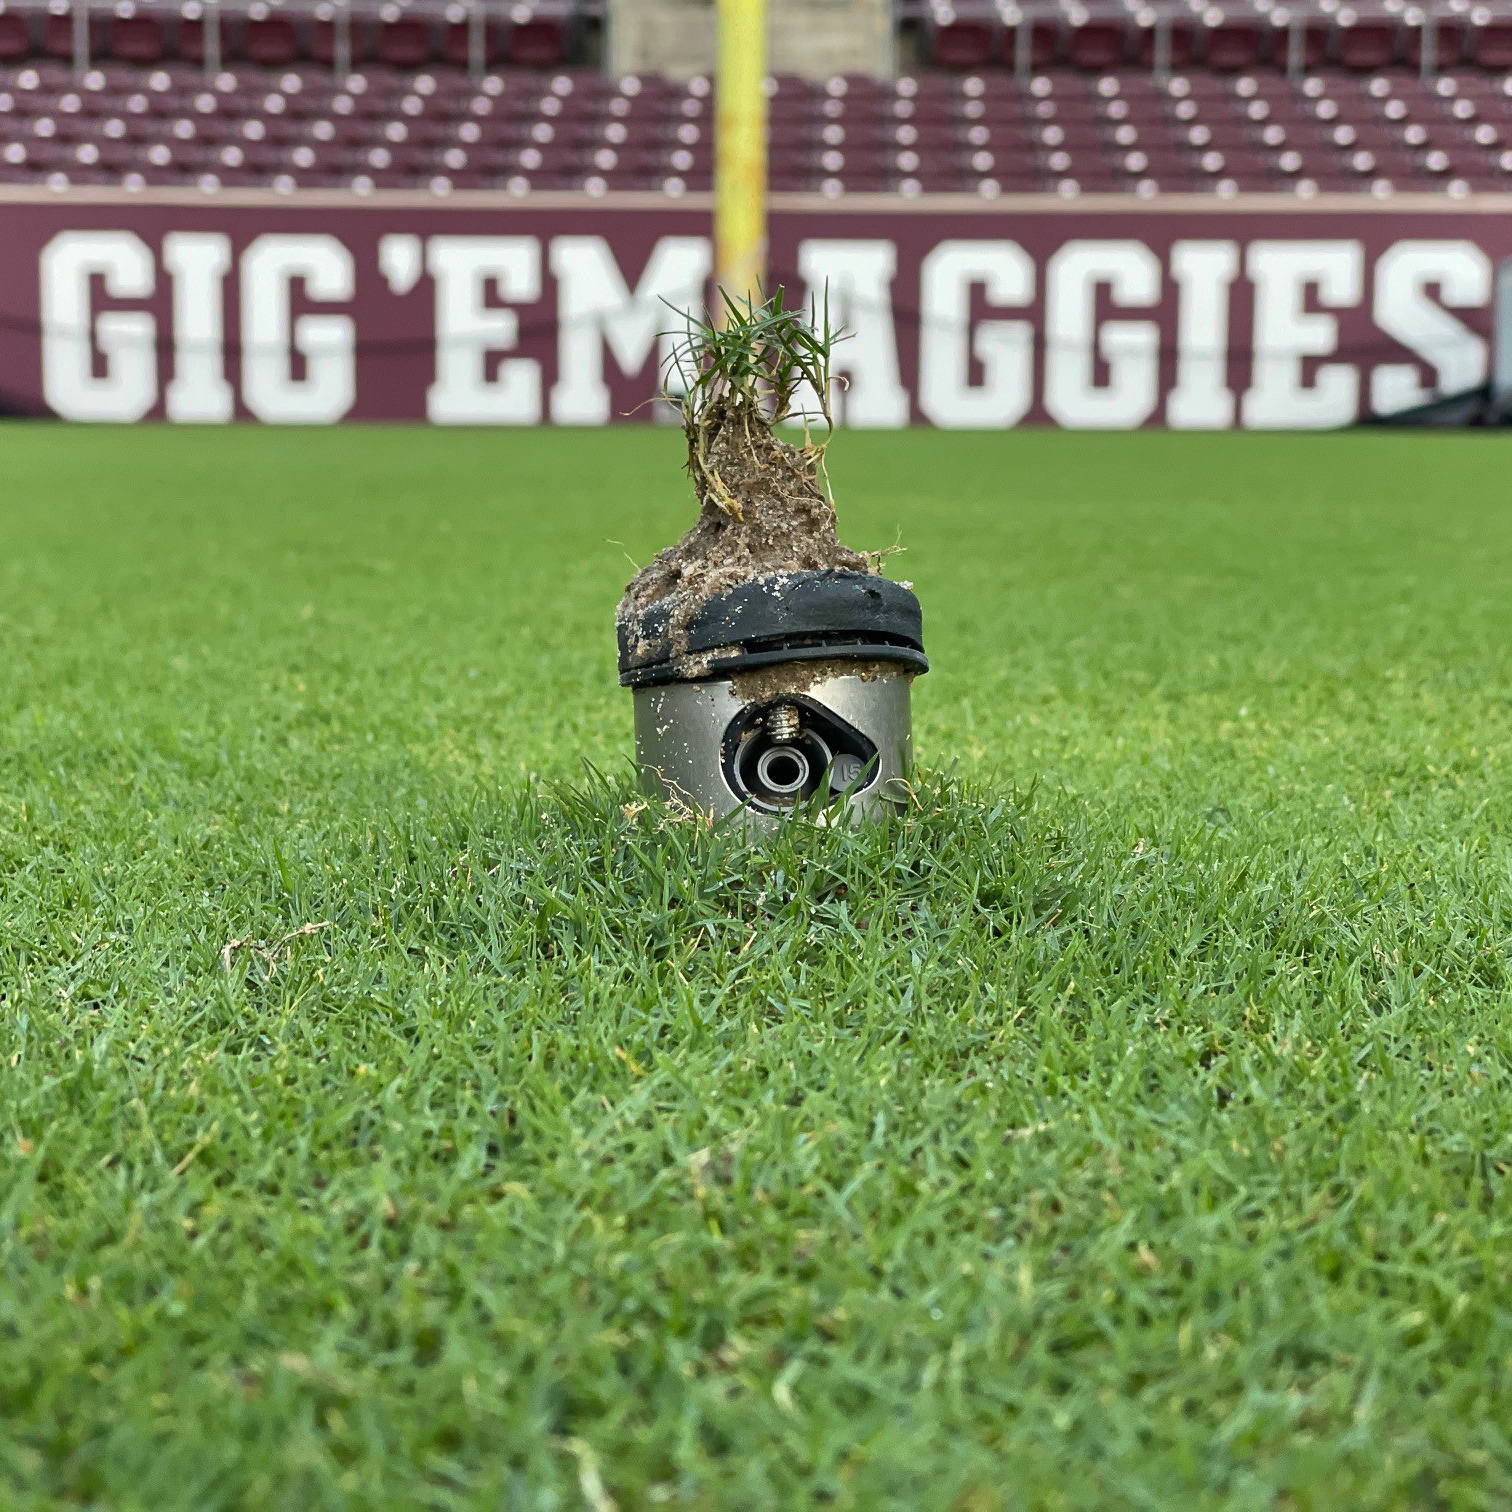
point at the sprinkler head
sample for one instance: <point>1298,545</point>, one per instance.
<point>789,690</point>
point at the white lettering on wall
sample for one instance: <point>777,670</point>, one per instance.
<point>197,262</point>
<point>270,267</point>
<point>1130,348</point>
<point>858,277</point>
<point>128,321</point>
<point>1204,272</point>
<point>127,388</point>
<point>947,343</point>
<point>596,308</point>
<point>1405,311</point>
<point>1286,332</point>
<point>470,332</point>
<point>401,260</point>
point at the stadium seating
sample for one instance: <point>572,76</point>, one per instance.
<point>1097,35</point>
<point>1061,131</point>
<point>409,95</point>
<point>526,33</point>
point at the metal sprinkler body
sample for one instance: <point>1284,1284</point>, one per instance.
<point>789,690</point>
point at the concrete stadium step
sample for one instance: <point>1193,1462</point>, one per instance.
<point>813,38</point>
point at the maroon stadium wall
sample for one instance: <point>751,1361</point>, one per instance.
<point>1107,314</point>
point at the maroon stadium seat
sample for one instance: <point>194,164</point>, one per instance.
<point>405,43</point>
<point>1491,46</point>
<point>271,41</point>
<point>138,39</point>
<point>1183,48</point>
<point>969,43</point>
<point>359,39</point>
<point>458,44</point>
<point>189,40</point>
<point>1234,46</point>
<point>1098,47</point>
<point>15,38</point>
<point>1042,44</point>
<point>1448,44</point>
<point>323,42</point>
<point>1316,36</point>
<point>538,43</point>
<point>58,37</point>
<point>1367,46</point>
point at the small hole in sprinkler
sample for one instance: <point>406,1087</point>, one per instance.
<point>783,770</point>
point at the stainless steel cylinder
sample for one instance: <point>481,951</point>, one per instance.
<point>846,746</point>
<point>787,693</point>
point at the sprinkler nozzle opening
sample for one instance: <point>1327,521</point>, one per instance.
<point>786,691</point>
<point>783,769</point>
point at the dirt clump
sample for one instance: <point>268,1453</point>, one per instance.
<point>763,510</point>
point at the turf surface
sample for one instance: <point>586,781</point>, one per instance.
<point>1130,1128</point>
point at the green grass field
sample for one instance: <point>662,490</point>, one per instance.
<point>1131,1127</point>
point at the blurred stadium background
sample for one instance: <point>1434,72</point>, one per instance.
<point>1099,213</point>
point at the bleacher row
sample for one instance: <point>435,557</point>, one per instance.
<point>1225,35</point>
<point>963,35</point>
<point>527,33</point>
<point>1221,97</point>
<point>519,131</point>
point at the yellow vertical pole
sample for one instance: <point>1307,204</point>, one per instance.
<point>740,148</point>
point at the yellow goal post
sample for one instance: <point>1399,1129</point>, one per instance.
<point>740,148</point>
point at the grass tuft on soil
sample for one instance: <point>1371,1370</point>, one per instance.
<point>764,502</point>
<point>1130,1125</point>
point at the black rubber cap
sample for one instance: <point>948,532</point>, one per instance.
<point>788,616</point>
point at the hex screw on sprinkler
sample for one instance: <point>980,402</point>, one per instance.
<point>783,725</point>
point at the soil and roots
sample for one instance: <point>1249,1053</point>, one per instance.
<point>763,509</point>
<point>765,506</point>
